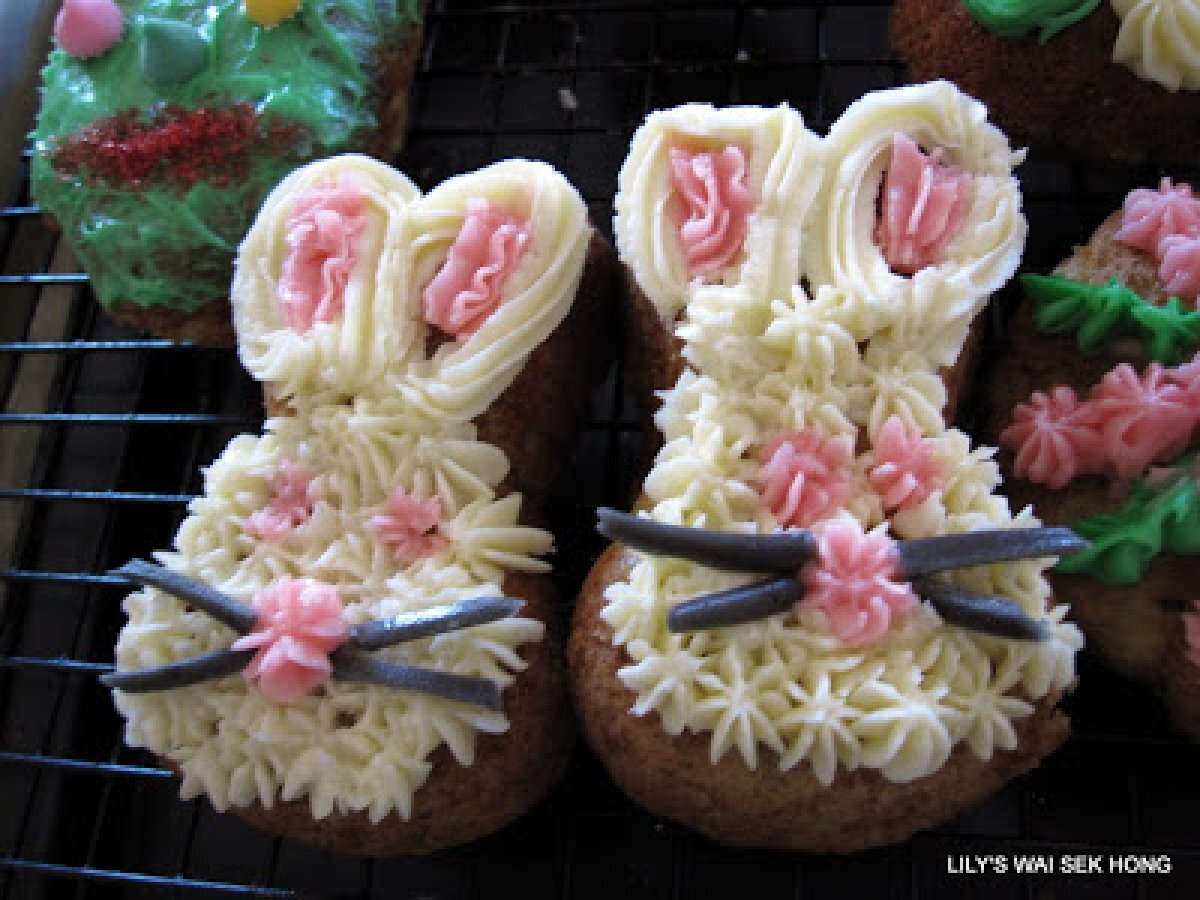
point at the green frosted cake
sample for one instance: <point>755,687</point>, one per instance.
<point>165,122</point>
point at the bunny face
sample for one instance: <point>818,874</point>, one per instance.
<point>374,489</point>
<point>813,393</point>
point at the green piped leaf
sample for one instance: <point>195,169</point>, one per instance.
<point>1099,314</point>
<point>1014,18</point>
<point>1169,332</point>
<point>1152,521</point>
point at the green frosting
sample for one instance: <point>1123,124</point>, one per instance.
<point>1098,314</point>
<point>1014,18</point>
<point>1152,521</point>
<point>164,243</point>
<point>171,52</point>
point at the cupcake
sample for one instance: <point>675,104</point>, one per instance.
<point>354,641</point>
<point>164,124</point>
<point>759,655</point>
<point>1113,80</point>
<point>1095,404</point>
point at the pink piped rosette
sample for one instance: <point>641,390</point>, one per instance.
<point>1165,223</point>
<point>300,622</point>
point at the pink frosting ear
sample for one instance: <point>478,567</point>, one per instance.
<point>322,235</point>
<point>410,525</point>
<point>88,27</point>
<point>712,206</point>
<point>466,290</point>
<point>857,583</point>
<point>903,471</point>
<point>805,477</point>
<point>1142,420</point>
<point>923,207</point>
<point>1055,438</point>
<point>290,505</point>
<point>1179,264</point>
<point>1150,215</point>
<point>299,624</point>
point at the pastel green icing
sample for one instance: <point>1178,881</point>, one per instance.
<point>313,69</point>
<point>1152,521</point>
<point>1099,314</point>
<point>1014,18</point>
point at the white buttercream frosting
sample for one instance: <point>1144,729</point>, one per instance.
<point>377,347</point>
<point>783,170</point>
<point>371,416</point>
<point>1159,41</point>
<point>839,347</point>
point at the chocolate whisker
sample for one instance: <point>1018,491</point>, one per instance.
<point>735,606</point>
<point>222,607</point>
<point>437,620</point>
<point>980,612</point>
<point>781,551</point>
<point>349,665</point>
<point>956,551</point>
<point>184,673</point>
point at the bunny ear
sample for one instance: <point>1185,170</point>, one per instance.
<point>497,258</point>
<point>316,298</point>
<point>676,159</point>
<point>933,132</point>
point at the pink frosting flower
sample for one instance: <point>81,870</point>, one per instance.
<point>1179,264</point>
<point>1187,376</point>
<point>1191,632</point>
<point>1143,419</point>
<point>924,205</point>
<point>903,470</point>
<point>466,290</point>
<point>856,583</point>
<point>1055,438</point>
<point>292,499</point>
<point>1151,215</point>
<point>322,234</point>
<point>410,525</point>
<point>88,27</point>
<point>805,477</point>
<point>299,624</point>
<point>712,206</point>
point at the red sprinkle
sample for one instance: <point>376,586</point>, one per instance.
<point>174,145</point>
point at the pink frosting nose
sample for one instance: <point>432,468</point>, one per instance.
<point>88,27</point>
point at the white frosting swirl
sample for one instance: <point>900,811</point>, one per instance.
<point>377,324</point>
<point>987,249</point>
<point>765,362</point>
<point>1160,41</point>
<point>783,169</point>
<point>377,347</point>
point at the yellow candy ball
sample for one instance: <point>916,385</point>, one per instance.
<point>271,12</point>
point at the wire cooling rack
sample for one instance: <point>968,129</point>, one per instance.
<point>102,433</point>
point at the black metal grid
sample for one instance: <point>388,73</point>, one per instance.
<point>105,432</point>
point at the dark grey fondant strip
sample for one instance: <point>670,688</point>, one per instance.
<point>956,551</point>
<point>735,606</point>
<point>781,551</point>
<point>184,673</point>
<point>222,607</point>
<point>350,665</point>
<point>980,612</point>
<point>438,620</point>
